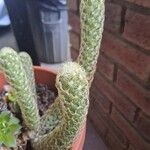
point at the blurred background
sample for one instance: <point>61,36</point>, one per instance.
<point>40,28</point>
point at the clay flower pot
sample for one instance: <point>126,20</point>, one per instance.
<point>48,77</point>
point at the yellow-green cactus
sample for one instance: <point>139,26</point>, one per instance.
<point>11,64</point>
<point>72,101</point>
<point>28,67</point>
<point>92,21</point>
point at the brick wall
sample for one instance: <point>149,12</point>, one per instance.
<point>120,96</point>
<point>74,22</point>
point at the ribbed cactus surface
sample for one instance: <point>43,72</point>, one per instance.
<point>28,67</point>
<point>11,64</point>
<point>72,101</point>
<point>92,21</point>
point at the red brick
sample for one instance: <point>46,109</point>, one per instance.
<point>113,142</point>
<point>134,91</point>
<point>112,17</point>
<point>145,3</point>
<point>72,4</point>
<point>74,54</point>
<point>109,124</point>
<point>143,126</point>
<point>104,102</point>
<point>131,147</point>
<point>105,67</point>
<point>125,106</point>
<point>74,21</point>
<point>75,40</point>
<point>133,60</point>
<point>98,124</point>
<point>118,134</point>
<point>135,139</point>
<point>137,29</point>
<point>100,110</point>
<point>97,121</point>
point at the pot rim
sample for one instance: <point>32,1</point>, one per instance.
<point>50,70</point>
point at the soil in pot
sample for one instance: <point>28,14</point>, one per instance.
<point>45,97</point>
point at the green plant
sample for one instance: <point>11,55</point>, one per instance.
<point>92,22</point>
<point>12,96</point>
<point>70,106</point>
<point>9,129</point>
<point>12,65</point>
<point>61,124</point>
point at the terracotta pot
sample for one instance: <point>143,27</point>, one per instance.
<point>48,77</point>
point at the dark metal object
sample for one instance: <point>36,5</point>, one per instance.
<point>22,30</point>
<point>49,25</point>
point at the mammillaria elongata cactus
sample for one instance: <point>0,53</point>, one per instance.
<point>60,125</point>
<point>92,21</point>
<point>28,67</point>
<point>73,95</point>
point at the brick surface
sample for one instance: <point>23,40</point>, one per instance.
<point>143,126</point>
<point>113,142</point>
<point>112,128</point>
<point>112,17</point>
<point>134,91</point>
<point>145,3</point>
<point>75,41</point>
<point>105,67</point>
<point>133,60</point>
<point>120,137</point>
<point>137,29</point>
<point>135,139</point>
<point>125,106</point>
<point>131,147</point>
<point>72,4</point>
<point>74,21</point>
<point>98,124</point>
<point>97,121</point>
<point>104,102</point>
<point>74,54</point>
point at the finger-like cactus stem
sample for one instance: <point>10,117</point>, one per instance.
<point>72,102</point>
<point>92,20</point>
<point>11,64</point>
<point>28,67</point>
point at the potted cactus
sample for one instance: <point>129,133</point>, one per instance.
<point>62,126</point>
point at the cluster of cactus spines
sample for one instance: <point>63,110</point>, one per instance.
<point>15,73</point>
<point>72,100</point>
<point>28,67</point>
<point>92,21</point>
